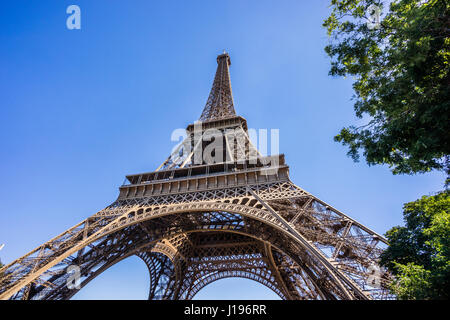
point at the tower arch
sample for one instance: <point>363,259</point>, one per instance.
<point>307,248</point>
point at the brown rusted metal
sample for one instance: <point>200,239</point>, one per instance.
<point>195,223</point>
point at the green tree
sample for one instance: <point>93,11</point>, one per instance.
<point>402,81</point>
<point>401,71</point>
<point>419,253</point>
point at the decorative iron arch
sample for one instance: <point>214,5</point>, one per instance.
<point>144,245</point>
<point>147,247</point>
<point>228,274</point>
<point>257,212</point>
<point>136,215</point>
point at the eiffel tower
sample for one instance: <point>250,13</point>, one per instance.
<point>208,213</point>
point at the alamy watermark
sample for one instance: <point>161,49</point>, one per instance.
<point>74,279</point>
<point>374,13</point>
<point>74,20</point>
<point>212,146</point>
<point>374,279</point>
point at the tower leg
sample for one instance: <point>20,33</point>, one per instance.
<point>162,275</point>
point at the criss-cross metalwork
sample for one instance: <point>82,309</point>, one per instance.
<point>220,101</point>
<point>194,221</point>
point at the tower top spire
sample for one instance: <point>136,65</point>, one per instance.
<point>224,55</point>
<point>220,103</point>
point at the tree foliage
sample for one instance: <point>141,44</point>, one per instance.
<point>402,81</point>
<point>419,253</point>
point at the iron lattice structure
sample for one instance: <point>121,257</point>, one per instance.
<point>193,222</point>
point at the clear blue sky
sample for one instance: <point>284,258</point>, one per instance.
<point>81,109</point>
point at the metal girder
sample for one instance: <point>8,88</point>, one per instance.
<point>193,224</point>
